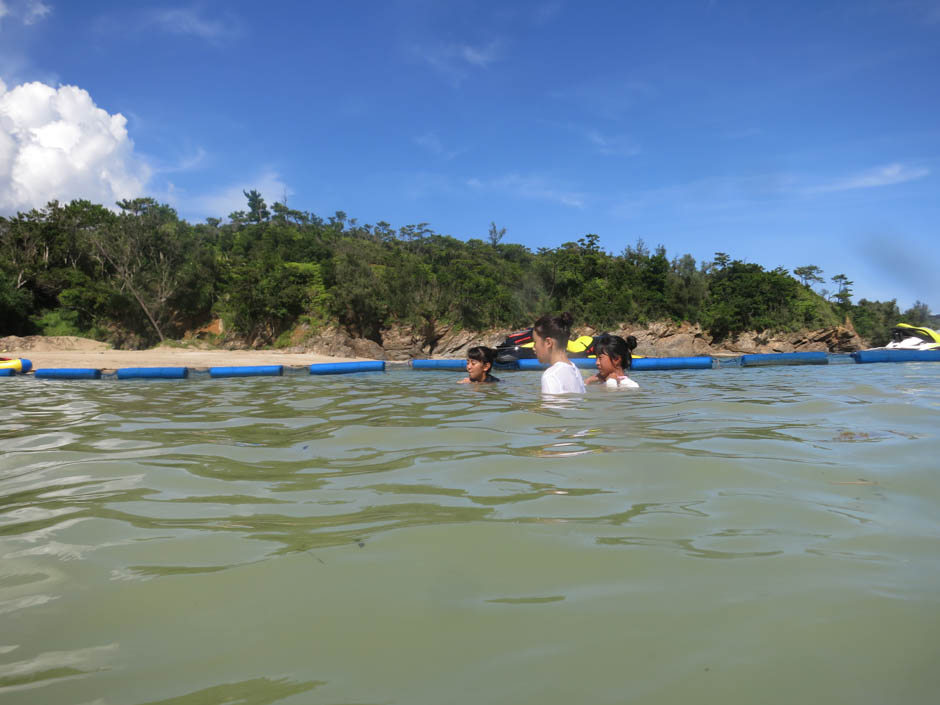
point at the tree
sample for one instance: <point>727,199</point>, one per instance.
<point>142,249</point>
<point>843,295</point>
<point>918,314</point>
<point>809,275</point>
<point>743,296</point>
<point>257,209</point>
<point>15,306</point>
<point>496,235</point>
<point>873,320</point>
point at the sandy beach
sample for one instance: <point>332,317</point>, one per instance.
<point>46,353</point>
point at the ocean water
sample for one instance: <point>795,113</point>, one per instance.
<point>747,535</point>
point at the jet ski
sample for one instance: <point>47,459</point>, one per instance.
<point>908,337</point>
<point>521,346</point>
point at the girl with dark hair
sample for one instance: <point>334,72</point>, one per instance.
<point>614,358</point>
<point>479,363</point>
<point>550,334</point>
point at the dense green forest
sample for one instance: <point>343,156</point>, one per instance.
<point>140,274</point>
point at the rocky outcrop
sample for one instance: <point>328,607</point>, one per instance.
<point>665,339</point>
<point>659,339</point>
<point>398,343</point>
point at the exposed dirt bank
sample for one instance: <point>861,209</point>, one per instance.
<point>402,343</point>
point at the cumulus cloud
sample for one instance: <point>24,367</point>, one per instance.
<point>55,143</point>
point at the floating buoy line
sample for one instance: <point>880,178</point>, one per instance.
<point>19,367</point>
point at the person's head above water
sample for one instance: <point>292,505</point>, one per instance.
<point>551,335</point>
<point>480,361</point>
<point>613,355</point>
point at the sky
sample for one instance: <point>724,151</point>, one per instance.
<point>782,133</point>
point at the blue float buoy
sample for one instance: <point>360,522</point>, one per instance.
<point>153,373</point>
<point>700,362</point>
<point>580,362</point>
<point>639,363</point>
<point>247,371</point>
<point>864,356</point>
<point>67,373</point>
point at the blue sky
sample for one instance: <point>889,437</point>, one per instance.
<point>786,133</point>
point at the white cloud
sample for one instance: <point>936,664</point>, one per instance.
<point>478,56</point>
<point>57,144</point>
<point>530,187</point>
<point>188,21</point>
<point>720,194</point>
<point>432,143</point>
<point>36,10</point>
<point>613,145</point>
<point>218,204</point>
<point>190,162</point>
<point>28,12</point>
<point>455,60</point>
<point>887,175</point>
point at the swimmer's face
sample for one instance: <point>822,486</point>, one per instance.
<point>477,370</point>
<point>607,367</point>
<point>543,348</point>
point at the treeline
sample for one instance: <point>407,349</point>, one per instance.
<point>139,275</point>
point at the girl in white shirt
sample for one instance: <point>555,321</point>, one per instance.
<point>613,360</point>
<point>551,334</point>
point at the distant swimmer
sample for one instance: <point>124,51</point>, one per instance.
<point>479,363</point>
<point>551,335</point>
<point>614,358</point>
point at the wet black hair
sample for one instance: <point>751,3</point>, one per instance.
<point>615,346</point>
<point>558,328</point>
<point>481,353</point>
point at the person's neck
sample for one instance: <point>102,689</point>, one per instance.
<point>558,355</point>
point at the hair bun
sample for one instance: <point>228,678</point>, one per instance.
<point>566,319</point>
<point>631,342</point>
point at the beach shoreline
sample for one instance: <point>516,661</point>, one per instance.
<point>82,353</point>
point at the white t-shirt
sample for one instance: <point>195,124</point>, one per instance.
<point>562,378</point>
<point>627,383</point>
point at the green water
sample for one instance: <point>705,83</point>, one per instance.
<point>721,536</point>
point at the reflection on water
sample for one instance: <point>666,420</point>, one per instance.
<point>399,538</point>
